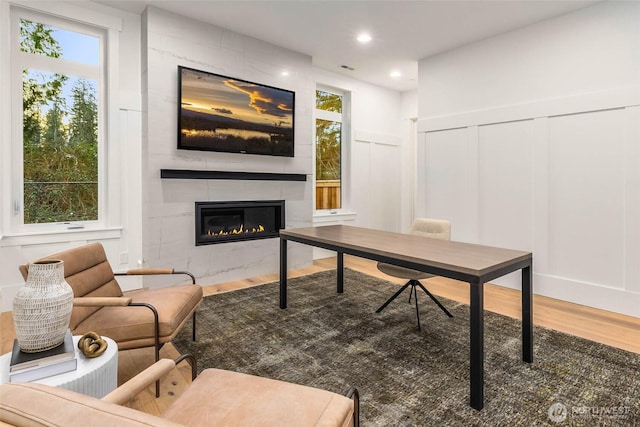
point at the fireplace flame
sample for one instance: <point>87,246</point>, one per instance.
<point>237,231</point>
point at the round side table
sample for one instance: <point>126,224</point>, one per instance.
<point>94,377</point>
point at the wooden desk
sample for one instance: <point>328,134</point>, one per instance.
<point>475,264</point>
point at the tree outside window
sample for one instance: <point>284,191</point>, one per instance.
<point>60,127</point>
<point>328,150</point>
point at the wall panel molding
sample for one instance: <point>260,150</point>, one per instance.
<point>376,138</point>
<point>584,208</point>
<point>621,97</point>
<point>632,199</point>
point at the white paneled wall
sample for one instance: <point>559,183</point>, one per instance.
<point>531,140</point>
<point>564,187</point>
<point>450,174</point>
<point>376,173</point>
<point>586,197</point>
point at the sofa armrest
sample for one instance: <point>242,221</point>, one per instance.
<point>31,404</point>
<point>154,271</point>
<point>101,301</point>
<point>141,381</point>
<point>144,379</point>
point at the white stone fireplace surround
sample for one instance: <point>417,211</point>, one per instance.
<point>168,204</point>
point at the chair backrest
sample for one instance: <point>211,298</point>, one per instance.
<point>89,274</point>
<point>434,228</point>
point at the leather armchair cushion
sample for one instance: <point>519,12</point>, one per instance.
<point>34,405</point>
<point>219,397</point>
<point>88,272</point>
<point>132,327</point>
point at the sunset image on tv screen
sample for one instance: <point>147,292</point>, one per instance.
<point>221,113</point>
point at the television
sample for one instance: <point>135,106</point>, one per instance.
<point>220,113</point>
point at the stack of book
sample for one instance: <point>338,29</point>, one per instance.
<point>26,367</point>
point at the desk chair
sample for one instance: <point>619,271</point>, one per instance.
<point>433,228</point>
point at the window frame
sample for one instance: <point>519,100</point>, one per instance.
<point>75,18</point>
<point>345,140</point>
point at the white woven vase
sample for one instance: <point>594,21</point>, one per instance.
<point>42,307</point>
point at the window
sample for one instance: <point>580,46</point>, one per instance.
<point>57,86</point>
<point>329,149</point>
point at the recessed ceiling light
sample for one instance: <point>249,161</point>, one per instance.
<point>284,73</point>
<point>395,74</point>
<point>364,37</point>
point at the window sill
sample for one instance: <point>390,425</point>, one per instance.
<point>58,236</point>
<point>323,217</point>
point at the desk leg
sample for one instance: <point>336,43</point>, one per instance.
<point>527,315</point>
<point>283,273</point>
<point>340,271</point>
<point>476,360</point>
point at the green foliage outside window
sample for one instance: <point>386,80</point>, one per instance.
<point>327,149</point>
<point>60,138</point>
<point>328,137</point>
<point>328,101</point>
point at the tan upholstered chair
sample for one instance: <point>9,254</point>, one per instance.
<point>141,318</point>
<point>427,227</point>
<point>215,398</point>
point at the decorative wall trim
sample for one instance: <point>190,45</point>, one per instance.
<point>602,100</point>
<point>246,176</point>
<point>376,137</point>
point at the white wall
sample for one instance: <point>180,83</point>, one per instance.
<point>531,140</point>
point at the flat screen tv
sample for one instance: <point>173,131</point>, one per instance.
<point>219,113</point>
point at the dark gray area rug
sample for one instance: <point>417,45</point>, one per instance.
<point>410,378</point>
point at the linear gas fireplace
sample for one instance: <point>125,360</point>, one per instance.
<point>221,222</point>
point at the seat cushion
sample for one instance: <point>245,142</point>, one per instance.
<point>31,404</point>
<point>132,327</point>
<point>225,398</point>
<point>403,273</point>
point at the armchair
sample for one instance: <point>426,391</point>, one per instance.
<point>140,318</point>
<point>215,398</point>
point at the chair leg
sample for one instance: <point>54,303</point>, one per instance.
<point>194,326</point>
<point>156,332</point>
<point>353,393</point>
<point>382,307</point>
<point>413,289</point>
<point>413,293</point>
<point>442,307</point>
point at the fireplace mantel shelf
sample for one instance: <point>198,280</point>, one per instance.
<point>206,174</point>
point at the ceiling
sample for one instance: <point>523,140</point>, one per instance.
<point>403,32</point>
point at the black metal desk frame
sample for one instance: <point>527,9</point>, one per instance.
<point>476,282</point>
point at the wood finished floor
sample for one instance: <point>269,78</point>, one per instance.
<point>597,325</point>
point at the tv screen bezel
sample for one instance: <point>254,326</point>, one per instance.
<point>182,146</point>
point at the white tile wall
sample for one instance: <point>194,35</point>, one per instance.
<point>169,238</point>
